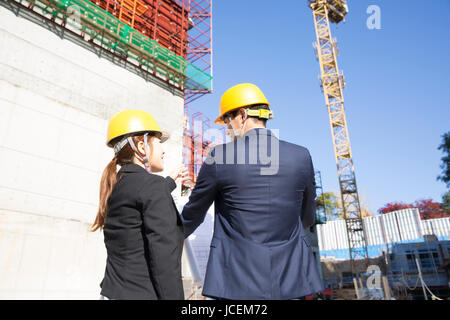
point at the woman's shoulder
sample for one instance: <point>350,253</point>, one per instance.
<point>145,182</point>
<point>154,178</point>
<point>157,184</point>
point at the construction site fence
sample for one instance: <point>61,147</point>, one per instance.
<point>402,226</point>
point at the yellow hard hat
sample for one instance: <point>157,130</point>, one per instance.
<point>132,121</point>
<point>241,95</point>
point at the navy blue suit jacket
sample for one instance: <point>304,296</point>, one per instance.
<point>261,196</point>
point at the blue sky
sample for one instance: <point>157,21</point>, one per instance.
<point>397,79</point>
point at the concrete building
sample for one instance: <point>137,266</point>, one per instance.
<point>430,254</point>
<point>56,94</point>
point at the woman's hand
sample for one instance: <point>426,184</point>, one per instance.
<point>180,174</point>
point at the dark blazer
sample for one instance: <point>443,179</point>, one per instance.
<point>259,249</point>
<point>144,238</point>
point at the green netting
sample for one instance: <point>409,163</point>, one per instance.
<point>197,76</point>
<point>104,27</point>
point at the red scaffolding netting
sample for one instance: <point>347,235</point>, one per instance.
<point>200,41</point>
<point>197,131</point>
<point>165,21</point>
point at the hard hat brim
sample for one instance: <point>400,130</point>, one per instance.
<point>164,136</point>
<point>219,121</point>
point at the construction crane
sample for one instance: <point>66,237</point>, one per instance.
<point>332,84</point>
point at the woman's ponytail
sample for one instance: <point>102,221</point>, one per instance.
<point>110,178</point>
<point>107,183</point>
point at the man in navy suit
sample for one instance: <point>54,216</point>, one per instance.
<point>263,191</point>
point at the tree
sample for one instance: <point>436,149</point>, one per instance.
<point>445,166</point>
<point>365,212</point>
<point>427,208</point>
<point>446,203</point>
<point>394,206</point>
<point>328,202</point>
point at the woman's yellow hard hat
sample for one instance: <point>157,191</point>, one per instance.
<point>132,122</point>
<point>238,96</point>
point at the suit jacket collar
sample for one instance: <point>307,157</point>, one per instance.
<point>259,131</point>
<point>132,168</point>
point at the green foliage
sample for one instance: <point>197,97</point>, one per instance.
<point>445,166</point>
<point>328,202</point>
<point>446,203</point>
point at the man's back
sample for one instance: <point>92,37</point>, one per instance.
<point>263,189</point>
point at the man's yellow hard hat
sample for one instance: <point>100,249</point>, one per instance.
<point>132,122</point>
<point>238,96</point>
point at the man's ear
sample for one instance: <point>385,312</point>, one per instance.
<point>242,113</point>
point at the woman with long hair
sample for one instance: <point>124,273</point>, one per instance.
<point>142,229</point>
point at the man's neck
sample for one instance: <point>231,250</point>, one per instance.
<point>254,126</point>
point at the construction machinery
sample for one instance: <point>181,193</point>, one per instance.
<point>332,84</point>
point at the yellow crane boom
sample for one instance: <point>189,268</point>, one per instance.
<point>332,84</point>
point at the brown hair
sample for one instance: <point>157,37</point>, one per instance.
<point>110,178</point>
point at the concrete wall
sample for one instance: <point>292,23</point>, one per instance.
<point>55,99</point>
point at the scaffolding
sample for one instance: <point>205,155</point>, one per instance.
<point>103,29</point>
<point>321,210</point>
<point>199,54</point>
<point>164,21</point>
<point>197,141</point>
<point>199,48</point>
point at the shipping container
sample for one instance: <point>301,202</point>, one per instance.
<point>440,227</point>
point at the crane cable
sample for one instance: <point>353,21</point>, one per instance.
<point>406,284</point>
<point>432,294</point>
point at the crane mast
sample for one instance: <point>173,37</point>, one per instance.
<point>332,84</point>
